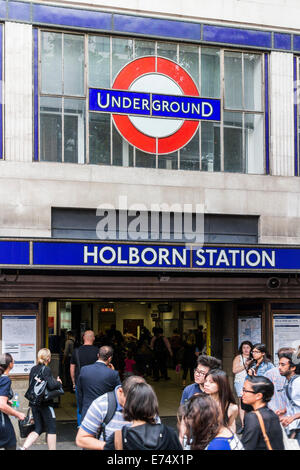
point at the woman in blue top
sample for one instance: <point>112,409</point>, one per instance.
<point>260,363</point>
<point>7,433</point>
<point>201,428</point>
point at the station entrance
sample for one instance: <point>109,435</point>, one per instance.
<point>199,321</point>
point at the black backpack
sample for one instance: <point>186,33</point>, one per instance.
<point>111,409</point>
<point>159,345</point>
<point>36,390</point>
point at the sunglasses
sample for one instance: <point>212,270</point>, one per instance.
<point>247,391</point>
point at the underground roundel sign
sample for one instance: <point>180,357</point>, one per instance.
<point>155,105</point>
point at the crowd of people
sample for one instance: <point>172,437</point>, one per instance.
<point>118,410</point>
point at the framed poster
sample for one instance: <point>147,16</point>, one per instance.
<point>19,340</point>
<point>249,329</point>
<point>286,332</point>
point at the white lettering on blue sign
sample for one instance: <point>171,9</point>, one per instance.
<point>235,258</point>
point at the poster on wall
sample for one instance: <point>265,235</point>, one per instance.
<point>286,331</point>
<point>19,340</point>
<point>249,329</point>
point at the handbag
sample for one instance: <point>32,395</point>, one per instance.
<point>36,389</point>
<point>263,430</point>
<point>27,425</point>
<point>289,444</point>
<point>50,394</point>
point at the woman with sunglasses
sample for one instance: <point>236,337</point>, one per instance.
<point>257,392</point>
<point>260,363</point>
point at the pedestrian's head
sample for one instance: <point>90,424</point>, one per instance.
<point>217,385</point>
<point>199,420</point>
<point>44,356</point>
<point>105,353</point>
<point>88,337</point>
<point>6,362</point>
<point>126,385</point>
<point>288,364</point>
<point>257,389</point>
<point>259,352</point>
<point>245,348</point>
<point>204,365</point>
<point>141,403</point>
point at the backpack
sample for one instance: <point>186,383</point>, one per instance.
<point>36,389</point>
<point>111,409</point>
<point>159,345</point>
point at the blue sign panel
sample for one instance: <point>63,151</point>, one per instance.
<point>155,105</point>
<point>14,253</point>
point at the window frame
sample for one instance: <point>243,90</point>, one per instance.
<point>156,42</point>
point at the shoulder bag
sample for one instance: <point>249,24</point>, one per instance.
<point>289,444</point>
<point>263,430</point>
<point>27,425</point>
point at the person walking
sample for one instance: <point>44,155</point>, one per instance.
<point>239,367</point>
<point>204,365</point>
<point>105,416</point>
<point>279,401</point>
<point>217,386</point>
<point>43,414</point>
<point>200,426</point>
<point>141,410</point>
<point>68,351</point>
<point>161,348</point>
<point>289,367</point>
<point>85,355</point>
<point>260,363</point>
<point>8,439</point>
<point>96,379</point>
<point>257,392</point>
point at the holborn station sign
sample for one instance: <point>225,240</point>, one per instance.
<point>126,255</point>
<point>155,105</point>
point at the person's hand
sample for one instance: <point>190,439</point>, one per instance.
<point>59,380</point>
<point>111,366</point>
<point>286,420</point>
<point>280,412</point>
<point>21,416</point>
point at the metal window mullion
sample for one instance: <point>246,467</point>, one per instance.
<point>63,129</point>
<point>86,69</point>
<point>222,69</point>
<point>245,165</point>
<point>39,90</point>
<point>111,118</point>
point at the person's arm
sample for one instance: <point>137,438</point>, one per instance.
<point>79,393</point>
<point>287,420</point>
<point>72,373</point>
<point>236,366</point>
<point>8,410</point>
<point>167,343</point>
<point>233,411</point>
<point>52,384</point>
<point>251,431</point>
<point>88,441</point>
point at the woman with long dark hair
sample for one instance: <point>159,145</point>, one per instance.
<point>201,427</point>
<point>260,363</point>
<point>218,387</point>
<point>7,434</point>
<point>141,409</point>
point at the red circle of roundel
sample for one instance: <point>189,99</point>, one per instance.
<point>123,81</point>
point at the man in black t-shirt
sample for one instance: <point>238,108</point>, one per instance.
<point>83,356</point>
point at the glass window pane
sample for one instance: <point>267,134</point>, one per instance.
<point>233,142</point>
<point>50,129</point>
<point>168,50</point>
<point>254,143</point>
<point>233,80</point>
<point>189,60</point>
<point>210,72</point>
<point>144,48</point>
<point>99,61</point>
<point>122,151</point>
<point>122,53</point>
<point>74,131</point>
<point>210,147</point>
<point>145,160</point>
<point>189,155</point>
<point>73,64</point>
<point>51,63</point>
<point>99,138</point>
<point>169,161</point>
<point>253,82</point>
